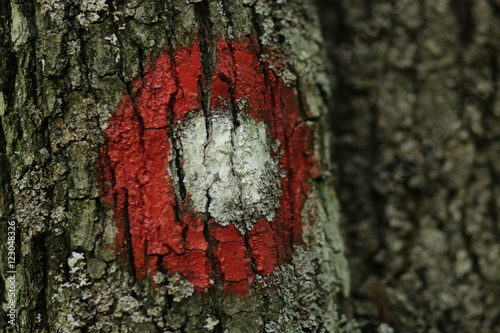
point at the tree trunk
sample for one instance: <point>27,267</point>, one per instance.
<point>166,166</point>
<point>417,132</point>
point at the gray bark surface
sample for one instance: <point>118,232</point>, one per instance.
<point>416,122</point>
<point>64,66</point>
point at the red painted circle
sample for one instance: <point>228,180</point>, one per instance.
<point>161,231</point>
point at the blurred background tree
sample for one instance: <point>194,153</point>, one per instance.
<point>416,125</point>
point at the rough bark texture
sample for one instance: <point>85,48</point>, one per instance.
<point>65,68</point>
<point>416,126</point>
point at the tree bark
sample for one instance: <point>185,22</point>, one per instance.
<point>124,223</point>
<point>416,130</point>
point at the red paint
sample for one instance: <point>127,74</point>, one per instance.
<point>160,230</point>
<point>188,73</point>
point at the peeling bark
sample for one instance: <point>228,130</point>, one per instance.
<point>73,108</point>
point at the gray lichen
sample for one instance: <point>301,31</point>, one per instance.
<point>308,293</point>
<point>179,287</point>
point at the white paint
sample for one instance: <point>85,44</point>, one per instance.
<point>229,170</point>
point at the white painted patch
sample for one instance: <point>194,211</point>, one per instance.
<point>228,167</point>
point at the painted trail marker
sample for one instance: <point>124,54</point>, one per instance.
<point>213,195</point>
